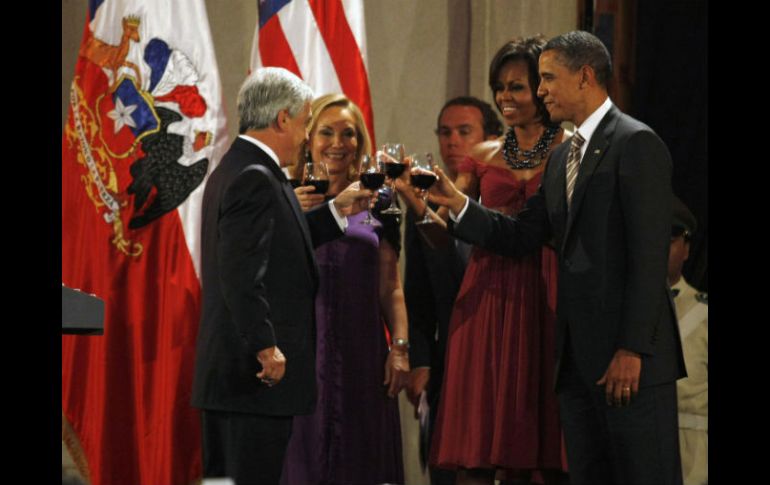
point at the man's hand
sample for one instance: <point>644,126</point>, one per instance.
<point>307,197</point>
<point>411,196</point>
<point>621,380</point>
<point>418,381</point>
<point>352,200</point>
<point>396,371</point>
<point>444,192</point>
<point>273,365</point>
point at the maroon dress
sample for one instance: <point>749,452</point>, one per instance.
<point>498,408</point>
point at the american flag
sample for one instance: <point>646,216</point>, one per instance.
<point>321,41</point>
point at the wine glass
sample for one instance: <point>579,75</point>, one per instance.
<point>372,177</point>
<point>296,172</point>
<point>317,175</point>
<point>394,167</point>
<point>422,177</point>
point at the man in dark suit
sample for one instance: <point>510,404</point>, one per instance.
<point>606,203</point>
<point>255,355</point>
<point>434,271</point>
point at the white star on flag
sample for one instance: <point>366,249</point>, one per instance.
<point>122,115</point>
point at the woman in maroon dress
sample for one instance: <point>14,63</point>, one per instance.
<point>498,416</point>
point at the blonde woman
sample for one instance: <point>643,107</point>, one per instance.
<point>354,436</point>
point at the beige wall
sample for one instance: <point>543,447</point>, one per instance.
<point>73,17</point>
<point>409,60</point>
<point>420,53</point>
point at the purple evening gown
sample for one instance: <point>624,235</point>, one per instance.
<point>354,435</point>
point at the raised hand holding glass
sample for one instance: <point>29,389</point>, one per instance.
<point>422,177</point>
<point>372,177</point>
<point>317,175</point>
<point>394,167</point>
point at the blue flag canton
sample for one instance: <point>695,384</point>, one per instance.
<point>143,115</point>
<point>268,8</point>
<point>93,5</point>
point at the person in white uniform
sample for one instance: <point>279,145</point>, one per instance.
<point>692,314</point>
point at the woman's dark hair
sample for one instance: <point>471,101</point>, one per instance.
<point>527,50</point>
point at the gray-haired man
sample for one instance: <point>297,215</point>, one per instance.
<point>255,356</point>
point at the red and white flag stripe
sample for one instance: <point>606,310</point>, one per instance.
<point>322,41</point>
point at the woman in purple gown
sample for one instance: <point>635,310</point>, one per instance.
<point>354,435</point>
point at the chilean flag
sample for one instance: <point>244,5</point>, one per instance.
<point>145,128</point>
<point>321,41</point>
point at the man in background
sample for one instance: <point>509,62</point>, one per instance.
<point>434,272</point>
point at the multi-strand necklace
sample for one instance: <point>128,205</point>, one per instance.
<point>516,158</point>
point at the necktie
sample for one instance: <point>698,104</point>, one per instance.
<point>573,164</point>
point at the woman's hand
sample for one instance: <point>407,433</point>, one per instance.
<point>396,371</point>
<point>353,199</point>
<point>307,199</point>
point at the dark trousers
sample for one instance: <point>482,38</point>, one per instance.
<point>438,476</point>
<point>636,444</point>
<point>248,448</point>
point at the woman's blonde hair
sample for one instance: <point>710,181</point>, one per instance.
<point>318,106</point>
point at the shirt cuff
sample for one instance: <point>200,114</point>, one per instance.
<point>342,221</point>
<point>457,218</point>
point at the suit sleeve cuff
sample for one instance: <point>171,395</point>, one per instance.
<point>459,216</point>
<point>264,339</point>
<point>342,221</point>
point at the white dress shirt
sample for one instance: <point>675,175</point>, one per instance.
<point>342,221</point>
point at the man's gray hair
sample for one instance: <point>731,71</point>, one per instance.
<point>267,91</point>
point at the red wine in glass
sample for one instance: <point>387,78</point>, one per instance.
<point>423,180</point>
<point>394,170</point>
<point>371,177</point>
<point>372,180</point>
<point>392,155</point>
<point>321,186</point>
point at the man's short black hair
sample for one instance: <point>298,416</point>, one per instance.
<point>491,123</point>
<point>580,48</point>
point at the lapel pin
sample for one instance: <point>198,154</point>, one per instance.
<point>597,151</point>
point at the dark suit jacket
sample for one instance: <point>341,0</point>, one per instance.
<point>431,282</point>
<point>613,248</point>
<point>259,280</point>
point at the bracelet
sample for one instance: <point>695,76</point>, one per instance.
<point>400,342</point>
